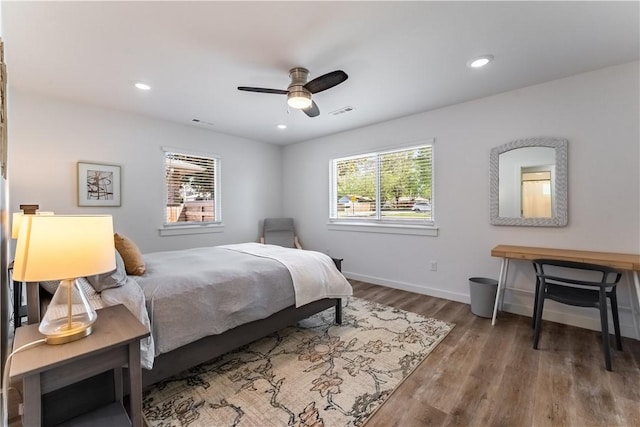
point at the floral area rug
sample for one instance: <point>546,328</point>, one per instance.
<point>315,374</point>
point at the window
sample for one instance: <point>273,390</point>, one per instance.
<point>391,186</point>
<point>191,183</point>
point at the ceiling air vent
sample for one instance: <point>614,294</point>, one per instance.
<point>202,122</point>
<point>341,111</point>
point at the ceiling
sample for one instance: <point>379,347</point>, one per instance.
<point>401,57</point>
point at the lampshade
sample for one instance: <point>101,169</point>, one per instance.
<point>298,97</point>
<point>17,219</point>
<point>64,247</point>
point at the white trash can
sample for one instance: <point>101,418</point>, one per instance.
<point>483,295</point>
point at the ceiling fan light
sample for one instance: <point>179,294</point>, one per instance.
<point>299,99</point>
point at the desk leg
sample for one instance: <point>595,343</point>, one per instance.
<point>135,383</point>
<point>502,283</point>
<point>634,313</point>
<point>32,401</point>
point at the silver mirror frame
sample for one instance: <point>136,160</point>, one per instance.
<point>560,217</point>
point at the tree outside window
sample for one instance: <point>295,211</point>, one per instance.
<point>386,186</point>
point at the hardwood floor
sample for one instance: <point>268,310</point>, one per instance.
<point>491,376</point>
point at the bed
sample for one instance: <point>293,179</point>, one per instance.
<point>203,302</point>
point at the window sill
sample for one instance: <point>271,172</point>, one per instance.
<point>178,230</point>
<point>365,227</point>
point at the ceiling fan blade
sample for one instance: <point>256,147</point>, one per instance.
<point>326,81</point>
<point>312,110</point>
<point>263,90</point>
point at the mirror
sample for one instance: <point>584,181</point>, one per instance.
<point>529,183</point>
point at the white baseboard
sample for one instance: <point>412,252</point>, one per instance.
<point>517,301</point>
<point>409,287</point>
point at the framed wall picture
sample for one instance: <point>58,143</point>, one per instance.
<point>98,184</point>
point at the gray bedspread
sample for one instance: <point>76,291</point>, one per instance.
<point>197,292</point>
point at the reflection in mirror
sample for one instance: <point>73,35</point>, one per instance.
<point>536,193</point>
<point>519,188</point>
<point>529,183</point>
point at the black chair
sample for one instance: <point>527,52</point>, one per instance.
<point>556,280</point>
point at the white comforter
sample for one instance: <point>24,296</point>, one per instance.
<point>314,274</point>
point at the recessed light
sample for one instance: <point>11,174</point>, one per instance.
<point>142,86</point>
<point>480,61</point>
<point>282,126</point>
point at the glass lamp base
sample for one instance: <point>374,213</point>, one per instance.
<point>60,332</point>
<point>69,316</point>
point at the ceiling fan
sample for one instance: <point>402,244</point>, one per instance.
<point>299,91</point>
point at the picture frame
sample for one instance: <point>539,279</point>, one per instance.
<point>98,184</point>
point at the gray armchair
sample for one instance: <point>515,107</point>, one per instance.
<point>280,231</point>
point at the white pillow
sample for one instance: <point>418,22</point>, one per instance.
<point>50,286</point>
<point>112,279</point>
<point>88,290</point>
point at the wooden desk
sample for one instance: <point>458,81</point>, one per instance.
<point>625,262</point>
<point>115,342</point>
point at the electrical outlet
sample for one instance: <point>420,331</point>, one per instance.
<point>433,265</point>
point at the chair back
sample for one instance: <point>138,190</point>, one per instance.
<point>576,273</point>
<point>279,231</point>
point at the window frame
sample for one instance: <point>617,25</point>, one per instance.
<point>379,222</point>
<point>192,227</point>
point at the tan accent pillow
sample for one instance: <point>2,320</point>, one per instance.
<point>131,255</point>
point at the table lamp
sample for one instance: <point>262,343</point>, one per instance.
<point>17,220</point>
<point>64,247</point>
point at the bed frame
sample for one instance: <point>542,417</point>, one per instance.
<point>210,347</point>
<point>207,348</point>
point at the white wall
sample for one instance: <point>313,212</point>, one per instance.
<point>597,112</point>
<point>49,136</point>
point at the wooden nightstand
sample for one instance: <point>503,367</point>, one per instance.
<point>115,342</point>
